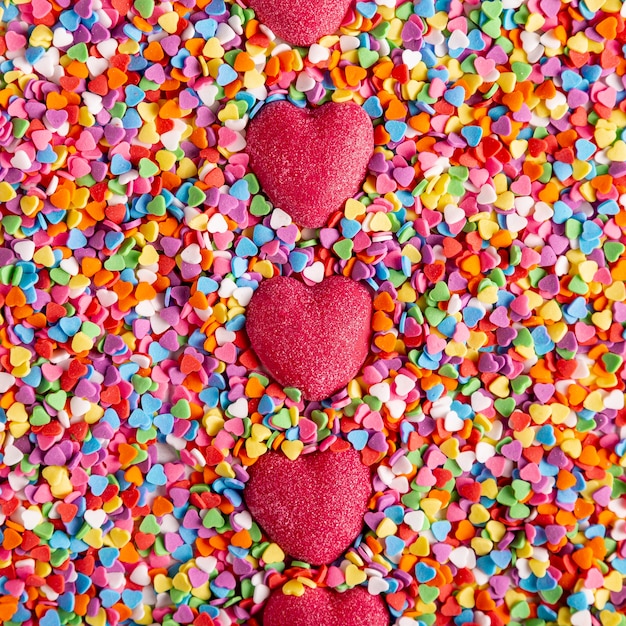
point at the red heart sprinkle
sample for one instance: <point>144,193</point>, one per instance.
<point>301,23</point>
<point>310,161</point>
<point>325,607</point>
<point>313,338</point>
<point>434,271</point>
<point>312,507</point>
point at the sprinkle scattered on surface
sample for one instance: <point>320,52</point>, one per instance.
<point>133,234</point>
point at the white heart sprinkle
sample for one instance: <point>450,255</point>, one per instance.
<point>453,423</point>
<point>415,520</point>
<point>403,385</point>
<point>140,575</point>
<point>243,295</point>
<point>315,272</point>
<point>411,58</point>
<point>458,40</point>
<point>239,408</point>
<point>381,391</point>
<point>453,214</point>
<point>6,381</point>
<point>487,195</point>
<point>279,218</point>
<point>217,224</point>
<point>95,518</point>
<point>261,593</point>
<point>31,517</point>
<point>12,455</point>
<point>377,585</point>
<point>318,53</point>
<point>206,563</point>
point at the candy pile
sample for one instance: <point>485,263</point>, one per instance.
<point>490,229</point>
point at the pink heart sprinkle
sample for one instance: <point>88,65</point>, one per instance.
<point>313,338</point>
<point>521,186</point>
<point>301,23</point>
<point>312,507</point>
<point>310,161</point>
<point>324,607</point>
<point>226,353</point>
<point>484,66</point>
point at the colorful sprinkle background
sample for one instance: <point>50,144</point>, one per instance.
<point>491,227</point>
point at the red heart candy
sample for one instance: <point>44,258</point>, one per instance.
<point>310,161</point>
<point>313,338</point>
<point>324,607</point>
<point>301,23</point>
<point>312,507</point>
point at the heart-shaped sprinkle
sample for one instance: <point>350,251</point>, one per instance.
<point>313,338</point>
<point>325,607</point>
<point>301,23</point>
<point>312,507</point>
<point>310,161</point>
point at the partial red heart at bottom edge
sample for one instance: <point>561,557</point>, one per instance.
<point>313,507</point>
<point>310,161</point>
<point>325,607</point>
<point>312,338</point>
<point>301,23</point>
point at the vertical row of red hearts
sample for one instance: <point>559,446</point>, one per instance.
<point>309,162</point>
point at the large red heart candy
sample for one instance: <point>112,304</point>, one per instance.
<point>324,607</point>
<point>312,507</point>
<point>313,338</point>
<point>310,161</point>
<point>299,22</point>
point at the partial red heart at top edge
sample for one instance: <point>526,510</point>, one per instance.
<point>312,338</point>
<point>312,507</point>
<point>310,161</point>
<point>298,22</point>
<point>325,607</point>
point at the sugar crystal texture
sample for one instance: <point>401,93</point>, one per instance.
<point>324,607</point>
<point>312,507</point>
<point>313,338</point>
<point>301,22</point>
<point>310,161</point>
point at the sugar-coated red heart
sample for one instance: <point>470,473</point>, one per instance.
<point>299,22</point>
<point>312,507</point>
<point>310,161</point>
<point>325,607</point>
<point>313,338</point>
